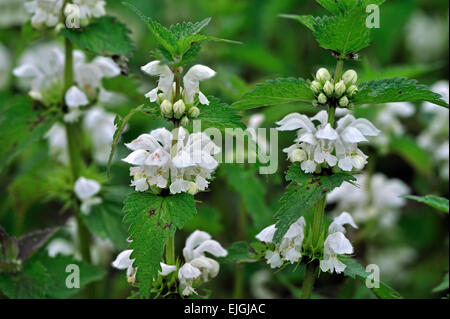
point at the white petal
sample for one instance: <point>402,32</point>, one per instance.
<point>352,135</point>
<point>337,243</point>
<point>195,239</point>
<point>143,142</point>
<point>210,246</point>
<point>295,121</point>
<point>199,73</point>
<point>85,188</point>
<point>166,269</point>
<point>136,158</point>
<point>365,127</point>
<point>108,67</point>
<point>338,223</point>
<point>327,133</point>
<point>266,235</point>
<point>322,117</point>
<point>187,271</point>
<point>75,97</point>
<point>123,260</point>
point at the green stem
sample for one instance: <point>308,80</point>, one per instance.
<point>170,250</point>
<point>339,70</point>
<point>331,114</point>
<point>240,268</point>
<point>319,210</point>
<point>310,278</point>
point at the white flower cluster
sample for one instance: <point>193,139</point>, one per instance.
<point>164,94</point>
<point>197,267</point>
<point>335,91</point>
<point>12,13</point>
<point>378,199</point>
<point>42,69</point>
<point>86,189</point>
<point>48,13</point>
<point>435,137</point>
<point>321,144</point>
<point>290,247</point>
<point>176,160</point>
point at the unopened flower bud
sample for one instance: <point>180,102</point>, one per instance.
<point>352,89</point>
<point>315,102</point>
<point>178,109</point>
<point>160,98</point>
<point>343,101</point>
<point>322,98</point>
<point>328,88</point>
<point>339,89</point>
<point>298,155</point>
<point>184,121</point>
<point>316,87</point>
<point>323,75</point>
<point>166,108</point>
<point>193,112</point>
<point>350,77</point>
<point>193,189</point>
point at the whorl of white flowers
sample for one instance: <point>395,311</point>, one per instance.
<point>41,70</point>
<point>291,246</point>
<point>164,94</point>
<point>48,13</point>
<point>86,189</point>
<point>197,267</point>
<point>335,91</point>
<point>320,145</point>
<point>185,166</point>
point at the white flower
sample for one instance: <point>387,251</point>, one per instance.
<point>289,249</point>
<point>335,244</point>
<point>191,82</point>
<point>197,264</point>
<point>338,223</point>
<point>165,83</point>
<point>57,139</point>
<point>75,98</point>
<point>12,13</point>
<point>86,189</point>
<point>90,8</point>
<point>45,12</point>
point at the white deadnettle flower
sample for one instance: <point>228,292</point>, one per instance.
<point>321,144</point>
<point>435,137</point>
<point>289,249</point>
<point>12,13</point>
<point>86,189</point>
<point>379,200</point>
<point>45,12</point>
<point>5,66</point>
<point>166,85</point>
<point>338,223</point>
<point>57,140</point>
<point>197,264</point>
<point>335,244</point>
<point>188,169</point>
<point>90,8</point>
<point>123,261</point>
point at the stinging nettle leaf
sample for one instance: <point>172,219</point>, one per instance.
<point>395,90</point>
<point>278,91</point>
<point>440,203</point>
<point>307,20</point>
<point>304,191</point>
<point>152,219</point>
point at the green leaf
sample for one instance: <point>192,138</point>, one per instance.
<point>251,189</point>
<point>307,20</point>
<point>31,242</point>
<point>440,203</point>
<point>185,43</point>
<point>30,283</point>
<point>355,270</point>
<point>105,36</point>
<point>302,193</point>
<point>21,124</point>
<point>443,285</point>
<point>278,91</point>
<point>207,219</point>
<point>218,115</point>
<point>56,267</point>
<point>238,252</point>
<point>395,90</point>
<point>344,33</point>
<point>106,220</point>
<point>152,219</point>
<point>411,152</point>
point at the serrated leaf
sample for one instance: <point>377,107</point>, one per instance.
<point>337,7</point>
<point>251,190</point>
<point>31,242</point>
<point>180,30</point>
<point>218,115</point>
<point>21,124</point>
<point>238,252</point>
<point>104,36</point>
<point>395,90</point>
<point>355,270</point>
<point>152,220</point>
<point>411,152</point>
<point>106,220</point>
<point>302,193</point>
<point>278,91</point>
<point>440,203</point>
<point>185,43</point>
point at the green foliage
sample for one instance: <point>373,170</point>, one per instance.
<point>105,220</point>
<point>443,285</point>
<point>238,252</point>
<point>21,125</point>
<point>105,36</point>
<point>207,219</point>
<point>152,219</point>
<point>218,115</point>
<point>440,203</point>
<point>279,91</point>
<point>29,283</point>
<point>356,271</point>
<point>302,193</point>
<point>250,188</point>
<point>395,90</point>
